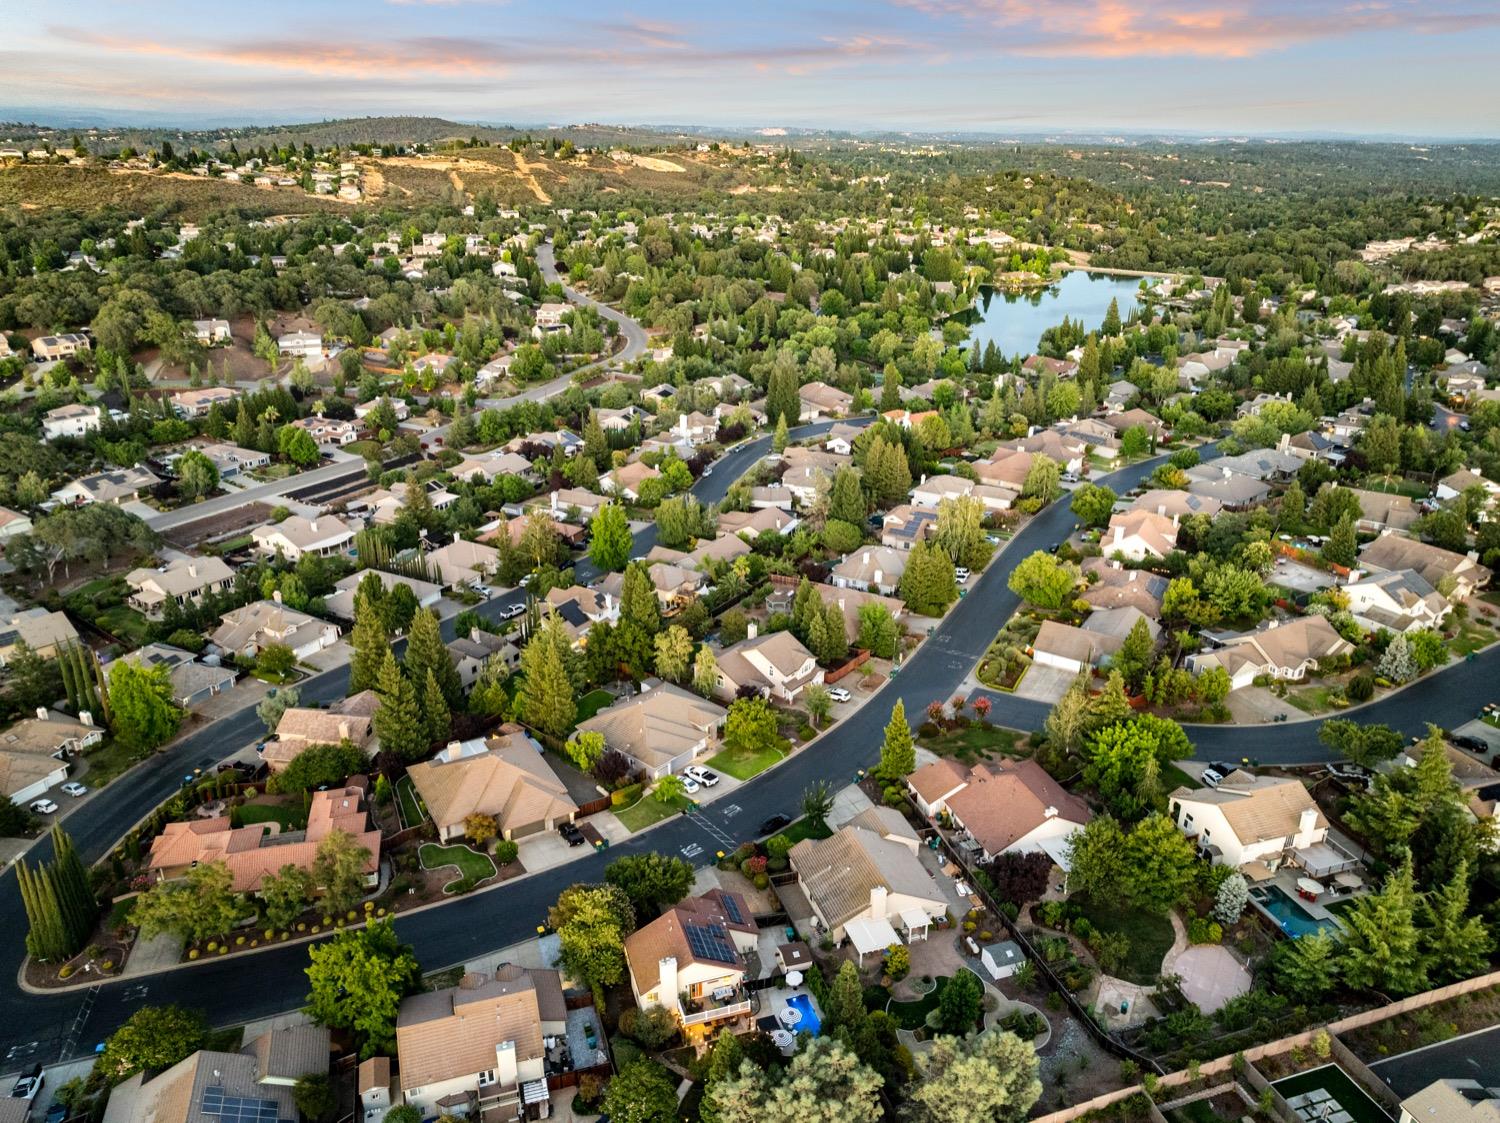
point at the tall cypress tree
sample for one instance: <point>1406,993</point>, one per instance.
<point>398,720</point>
<point>60,905</point>
<point>435,706</point>
<point>80,908</point>
<point>426,654</point>
<point>370,646</point>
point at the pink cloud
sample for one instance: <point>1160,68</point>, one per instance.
<point>1204,28</point>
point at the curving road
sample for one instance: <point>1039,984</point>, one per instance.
<point>270,982</point>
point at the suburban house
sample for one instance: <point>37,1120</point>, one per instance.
<point>1379,511</point>
<point>46,633</point>
<point>1114,586</point>
<point>1400,600</point>
<point>231,460</point>
<point>256,1083</point>
<point>474,653</point>
<point>384,505</point>
<point>181,581</point>
<point>50,348</point>
<point>372,1083</point>
<point>572,504</point>
<point>296,536</point>
<point>253,853</point>
<point>34,750</point>
<point>1233,491</point>
<point>840,439</point>
<point>1393,551</point>
<point>1066,451</point>
<point>328,430</point>
<point>505,777</point>
<point>341,602</point>
<point>1175,503</point>
<point>244,631</point>
<point>13,523</point>
<point>1071,649</point>
<point>871,568</point>
<point>1122,422</point>
<point>626,480</point>
<point>675,585</point>
<point>300,345</point>
<point>491,466</point>
<point>121,486</point>
<point>867,881</point>
<point>193,683</point>
<point>691,961</point>
<point>302,727</point>
<point>1258,822</point>
<point>1119,395</point>
<point>580,608</point>
<point>197,403</point>
<point>661,730</point>
<point>209,332</point>
<point>1008,468</point>
<point>462,562</point>
<point>1455,484</point>
<point>479,1049</point>
<point>821,400</point>
<point>777,665</point>
<point>763,520</point>
<point>1452,1100</point>
<point>1002,807</point>
<point>1138,535</point>
<point>904,526</point>
<point>71,421</point>
<point>1281,651</point>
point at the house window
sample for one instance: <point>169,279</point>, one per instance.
<point>486,1078</point>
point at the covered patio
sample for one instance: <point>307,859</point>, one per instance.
<point>868,934</point>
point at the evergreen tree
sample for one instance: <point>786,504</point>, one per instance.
<point>1383,948</point>
<point>398,719</point>
<point>369,646</point>
<point>929,586</point>
<point>783,389</point>
<point>898,755</point>
<point>439,716</point>
<point>546,700</point>
<point>638,603</point>
<point>426,654</point>
<point>60,906</point>
<point>890,388</point>
<point>1342,546</point>
<point>609,538</point>
<point>780,437</point>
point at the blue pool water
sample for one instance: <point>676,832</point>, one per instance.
<point>1294,919</point>
<point>810,1022</point>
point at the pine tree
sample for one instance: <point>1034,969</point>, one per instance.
<point>546,699</point>
<point>898,756</point>
<point>398,719</point>
<point>1341,547</point>
<point>779,438</point>
<point>369,646</point>
<point>439,716</point>
<point>427,654</point>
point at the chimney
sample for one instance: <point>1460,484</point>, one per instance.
<point>1285,442</point>
<point>343,731</point>
<point>1161,508</point>
<point>666,987</point>
<point>878,901</point>
<point>192,569</point>
<point>752,630</point>
<point>86,717</point>
<point>1307,820</point>
<point>1050,813</point>
<point>865,560</point>
<point>474,634</point>
<point>313,525</point>
<point>276,596</point>
<point>41,713</point>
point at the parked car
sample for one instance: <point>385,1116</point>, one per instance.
<point>839,694</point>
<point>702,776</point>
<point>28,1084</point>
<point>43,806</point>
<point>774,824</point>
<point>1211,778</point>
<point>689,784</point>
<point>571,832</point>
<point>1222,767</point>
<point>75,789</point>
<point>510,612</point>
<point>961,574</point>
<point>1473,744</point>
<point>56,1113</point>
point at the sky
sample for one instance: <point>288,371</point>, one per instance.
<point>1422,68</point>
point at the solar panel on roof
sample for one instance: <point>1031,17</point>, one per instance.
<point>732,908</point>
<point>239,1109</point>
<point>710,941</point>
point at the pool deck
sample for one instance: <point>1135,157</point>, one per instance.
<point>1285,879</point>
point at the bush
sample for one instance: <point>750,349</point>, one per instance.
<point>1361,687</point>
<point>628,794</point>
<point>506,851</point>
<point>1202,930</point>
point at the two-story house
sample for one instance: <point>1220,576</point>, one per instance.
<point>777,665</point>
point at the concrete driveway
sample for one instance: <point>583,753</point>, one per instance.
<point>1044,684</point>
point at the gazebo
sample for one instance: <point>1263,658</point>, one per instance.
<point>915,923</point>
<point>868,934</point>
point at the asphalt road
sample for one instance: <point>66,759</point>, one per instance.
<point>633,333</point>
<point>1474,1056</point>
<point>270,982</point>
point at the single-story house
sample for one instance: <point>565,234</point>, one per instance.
<point>1393,551</point>
<point>1281,651</point>
<point>661,730</point>
<point>505,776</point>
<point>871,568</point>
<point>193,683</point>
<point>120,486</point>
<point>1004,807</point>
<point>46,633</point>
<point>859,875</point>
<point>181,581</point>
<point>296,536</point>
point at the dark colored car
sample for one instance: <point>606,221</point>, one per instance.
<point>572,834</point>
<point>775,823</point>
<point>1473,744</point>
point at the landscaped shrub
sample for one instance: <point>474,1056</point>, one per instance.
<point>1202,930</point>
<point>506,851</point>
<point>628,794</point>
<point>1361,687</point>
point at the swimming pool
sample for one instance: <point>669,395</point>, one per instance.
<point>1295,920</point>
<point>810,1022</point>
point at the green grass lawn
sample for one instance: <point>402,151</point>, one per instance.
<point>473,867</point>
<point>592,702</point>
<point>974,743</point>
<point>363,448</point>
<point>804,828</point>
<point>1395,486</point>
<point>126,623</point>
<point>745,763</point>
<point>913,1014</point>
<point>647,811</point>
<point>290,816</point>
<point>1173,777</point>
<point>1471,637</point>
<point>1311,700</point>
<point>412,811</point>
<point>109,760</point>
<point>1150,937</point>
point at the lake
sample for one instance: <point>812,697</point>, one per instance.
<point>1014,321</point>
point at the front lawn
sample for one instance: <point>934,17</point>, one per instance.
<point>290,816</point>
<point>124,623</point>
<point>412,811</point>
<point>110,760</point>
<point>1471,637</point>
<point>974,743</point>
<point>1150,936</point>
<point>592,702</point>
<point>648,811</point>
<point>743,763</point>
<point>473,867</point>
<point>805,828</point>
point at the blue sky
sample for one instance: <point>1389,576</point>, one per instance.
<point>1216,66</point>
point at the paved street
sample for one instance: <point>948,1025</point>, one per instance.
<point>1475,1056</point>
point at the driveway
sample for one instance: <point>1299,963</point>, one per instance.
<point>1254,705</point>
<point>1044,684</point>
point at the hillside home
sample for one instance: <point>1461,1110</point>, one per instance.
<point>71,421</point>
<point>211,332</point>
<point>661,730</point>
<point>196,403</point>
<point>1256,824</point>
<point>118,487</point>
<point>50,348</point>
<point>300,345</point>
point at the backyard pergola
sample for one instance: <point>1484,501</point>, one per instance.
<point>870,934</point>
<point>915,923</point>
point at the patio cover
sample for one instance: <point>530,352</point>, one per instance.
<point>915,921</point>
<point>869,935</point>
<point>535,1092</point>
<point>1256,871</point>
<point>1348,880</point>
<point>1057,849</point>
<point>1320,859</point>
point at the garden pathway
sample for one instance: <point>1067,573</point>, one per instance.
<point>1210,973</point>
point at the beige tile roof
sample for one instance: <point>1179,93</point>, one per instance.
<point>1257,808</point>
<point>1294,643</point>
<point>933,781</point>
<point>290,1053</point>
<point>1005,801</point>
<point>1393,551</point>
<point>1157,532</point>
<point>1452,1101</point>
<point>658,725</point>
<point>453,1033</point>
<point>755,522</point>
<point>263,622</point>
<point>865,563</point>
<point>1175,501</point>
<point>181,576</point>
<point>508,778</point>
<point>837,873</point>
<point>1068,642</point>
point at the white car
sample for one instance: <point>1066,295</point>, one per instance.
<point>75,789</point>
<point>1211,779</point>
<point>701,776</point>
<point>960,575</point>
<point>511,612</point>
<point>43,806</point>
<point>689,785</point>
<point>839,694</point>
